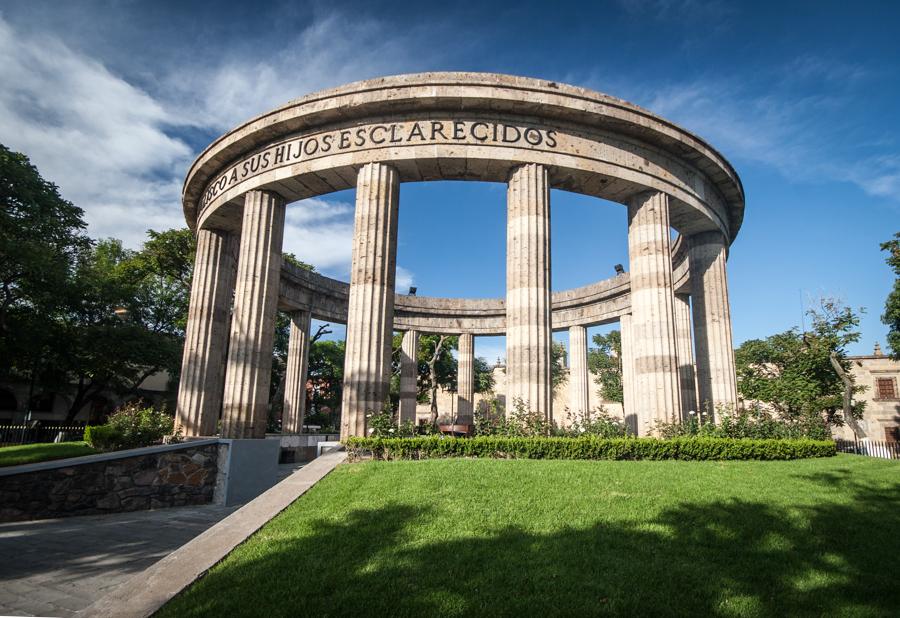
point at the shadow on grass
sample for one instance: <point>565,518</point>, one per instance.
<point>728,558</point>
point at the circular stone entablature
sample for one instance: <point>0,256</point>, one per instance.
<point>465,126</point>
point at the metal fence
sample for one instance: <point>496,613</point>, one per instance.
<point>870,448</point>
<point>32,433</point>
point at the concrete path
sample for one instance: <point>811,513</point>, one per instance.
<point>149,590</point>
<point>56,567</point>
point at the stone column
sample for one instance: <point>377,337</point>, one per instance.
<point>409,373</point>
<point>579,383</point>
<point>657,388</point>
<point>206,334</point>
<point>685,354</point>
<point>716,382</point>
<point>249,368</point>
<point>465,383</point>
<point>628,399</point>
<point>370,315</point>
<point>295,374</point>
<point>528,334</point>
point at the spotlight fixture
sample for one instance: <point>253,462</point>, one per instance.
<point>619,269</point>
<point>412,290</point>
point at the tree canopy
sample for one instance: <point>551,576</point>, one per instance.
<point>792,371</point>
<point>605,362</point>
<point>891,315</point>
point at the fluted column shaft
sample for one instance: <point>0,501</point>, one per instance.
<point>370,316</point>
<point>685,355</point>
<point>528,334</point>
<point>248,373</point>
<point>295,373</point>
<point>409,374</point>
<point>628,398</point>
<point>206,334</point>
<point>716,382</point>
<point>249,368</point>
<point>579,384</point>
<point>465,382</point>
<point>657,387</point>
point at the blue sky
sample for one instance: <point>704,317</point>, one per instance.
<point>112,100</point>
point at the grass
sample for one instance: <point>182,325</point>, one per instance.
<point>461,537</point>
<point>34,453</point>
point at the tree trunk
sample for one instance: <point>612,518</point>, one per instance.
<point>432,376</point>
<point>848,394</point>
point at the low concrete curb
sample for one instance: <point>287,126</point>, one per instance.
<point>148,591</point>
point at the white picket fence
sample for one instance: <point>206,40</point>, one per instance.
<point>870,448</point>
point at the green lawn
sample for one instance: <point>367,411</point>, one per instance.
<point>33,453</point>
<point>560,538</point>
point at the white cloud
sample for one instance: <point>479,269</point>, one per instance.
<point>112,147</point>
<point>808,138</point>
<point>405,278</point>
<point>333,50</point>
<point>93,134</point>
<point>320,232</point>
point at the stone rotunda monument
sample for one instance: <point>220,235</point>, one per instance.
<point>531,134</point>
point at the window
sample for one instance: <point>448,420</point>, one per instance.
<point>885,388</point>
<point>892,434</point>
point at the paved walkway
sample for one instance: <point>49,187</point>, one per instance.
<point>55,567</point>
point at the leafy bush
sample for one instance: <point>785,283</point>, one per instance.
<point>521,421</point>
<point>586,447</point>
<point>598,423</point>
<point>752,423</point>
<point>383,425</point>
<point>131,426</point>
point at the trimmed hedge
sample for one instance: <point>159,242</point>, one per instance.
<point>586,447</point>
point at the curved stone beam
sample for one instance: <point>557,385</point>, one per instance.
<point>471,126</point>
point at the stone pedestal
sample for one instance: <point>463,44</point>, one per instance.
<point>206,334</point>
<point>465,407</point>
<point>716,382</point>
<point>629,402</point>
<point>579,382</point>
<point>657,387</point>
<point>246,468</point>
<point>370,315</point>
<point>295,374</point>
<point>409,373</point>
<point>248,373</point>
<point>685,355</point>
<point>528,334</point>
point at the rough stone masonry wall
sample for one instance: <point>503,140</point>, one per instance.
<point>147,481</point>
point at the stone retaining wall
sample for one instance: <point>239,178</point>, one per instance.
<point>152,478</point>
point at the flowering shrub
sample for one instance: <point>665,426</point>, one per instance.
<point>753,423</point>
<point>383,425</point>
<point>598,423</point>
<point>521,421</point>
<point>132,426</point>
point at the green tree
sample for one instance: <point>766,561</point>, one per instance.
<point>117,328</point>
<point>891,315</point>
<point>605,362</point>
<point>41,237</point>
<point>484,376</point>
<point>558,375</point>
<point>326,375</point>
<point>792,371</point>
